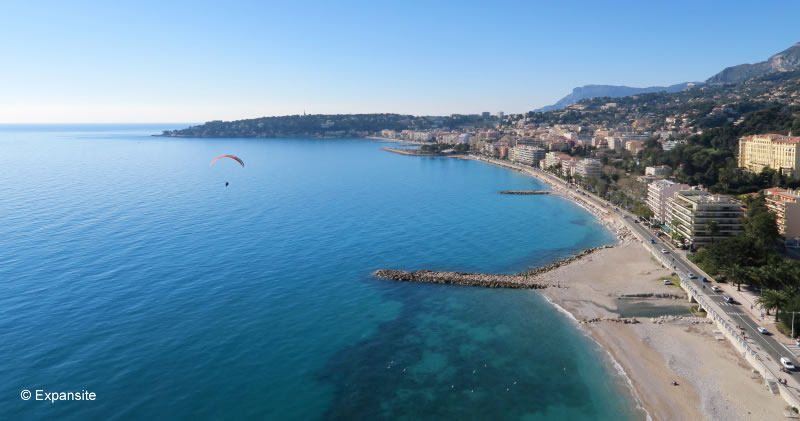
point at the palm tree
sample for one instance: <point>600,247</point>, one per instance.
<point>768,300</point>
<point>773,299</point>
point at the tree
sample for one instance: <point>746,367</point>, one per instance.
<point>712,227</point>
<point>760,224</point>
<point>768,300</point>
<point>773,299</point>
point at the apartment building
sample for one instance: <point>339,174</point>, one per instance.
<point>527,155</point>
<point>589,168</point>
<point>658,194</point>
<point>786,206</point>
<point>690,212</point>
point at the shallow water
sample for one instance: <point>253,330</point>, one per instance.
<point>131,271</point>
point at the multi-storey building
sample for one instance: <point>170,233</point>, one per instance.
<point>634,146</point>
<point>786,206</point>
<point>658,170</point>
<point>589,168</point>
<point>550,160</point>
<point>774,151</point>
<point>690,213</point>
<point>658,193</point>
<point>524,154</point>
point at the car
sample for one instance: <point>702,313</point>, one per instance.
<point>716,288</point>
<point>761,330</point>
<point>691,275</point>
<point>667,282</point>
<point>727,299</point>
<point>665,251</point>
<point>704,279</point>
<point>786,363</point>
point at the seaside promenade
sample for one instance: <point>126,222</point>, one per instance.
<point>763,352</point>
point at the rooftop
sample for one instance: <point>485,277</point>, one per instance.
<point>776,138</point>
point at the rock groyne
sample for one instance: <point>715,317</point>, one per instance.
<point>524,192</point>
<point>529,280</point>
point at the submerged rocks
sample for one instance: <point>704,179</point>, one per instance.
<point>623,320</point>
<point>681,319</point>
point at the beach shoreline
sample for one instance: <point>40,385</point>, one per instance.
<point>652,354</point>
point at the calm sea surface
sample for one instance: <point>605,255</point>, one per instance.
<point>128,269</point>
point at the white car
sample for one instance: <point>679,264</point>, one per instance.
<point>715,288</point>
<point>727,299</point>
<point>667,282</point>
<point>665,251</point>
<point>787,364</point>
<point>761,330</point>
<point>691,275</point>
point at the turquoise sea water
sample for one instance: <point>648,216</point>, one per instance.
<point>128,269</point>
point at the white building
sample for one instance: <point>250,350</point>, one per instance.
<point>690,213</point>
<point>527,155</point>
<point>658,170</point>
<point>658,193</point>
<point>589,168</point>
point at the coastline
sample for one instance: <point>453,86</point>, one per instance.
<point>651,354</point>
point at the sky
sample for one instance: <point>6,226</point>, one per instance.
<point>194,61</point>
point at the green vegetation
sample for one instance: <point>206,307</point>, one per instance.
<point>753,259</point>
<point>318,125</point>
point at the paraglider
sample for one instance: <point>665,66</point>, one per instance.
<point>233,157</point>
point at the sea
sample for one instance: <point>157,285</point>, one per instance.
<point>128,269</point>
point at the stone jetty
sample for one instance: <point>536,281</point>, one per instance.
<point>530,279</point>
<point>524,192</point>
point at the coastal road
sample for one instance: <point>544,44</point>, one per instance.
<point>771,350</point>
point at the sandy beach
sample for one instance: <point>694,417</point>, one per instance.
<point>715,382</point>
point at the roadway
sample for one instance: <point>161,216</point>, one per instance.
<point>770,350</point>
<point>737,316</point>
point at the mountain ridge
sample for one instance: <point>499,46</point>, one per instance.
<point>784,61</point>
<point>612,91</point>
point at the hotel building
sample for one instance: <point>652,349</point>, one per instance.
<point>774,151</point>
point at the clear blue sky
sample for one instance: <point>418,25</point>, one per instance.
<point>193,61</point>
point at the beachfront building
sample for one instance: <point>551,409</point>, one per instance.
<point>690,213</point>
<point>658,193</point>
<point>550,160</point>
<point>658,170</point>
<point>527,155</point>
<point>786,206</point>
<point>774,151</point>
<point>568,166</point>
<point>589,167</point>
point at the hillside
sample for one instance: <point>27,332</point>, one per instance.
<point>610,91</point>
<point>322,125</point>
<point>785,61</point>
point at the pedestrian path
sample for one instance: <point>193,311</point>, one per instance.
<point>794,349</point>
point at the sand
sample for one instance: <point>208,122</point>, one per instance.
<point>715,383</point>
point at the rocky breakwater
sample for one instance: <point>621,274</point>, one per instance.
<point>524,192</point>
<point>531,279</point>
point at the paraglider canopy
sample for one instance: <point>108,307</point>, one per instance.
<point>235,158</point>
